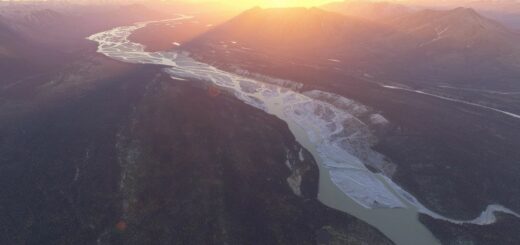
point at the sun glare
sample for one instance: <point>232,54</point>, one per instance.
<point>290,3</point>
<point>272,3</point>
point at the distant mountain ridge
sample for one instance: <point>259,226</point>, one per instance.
<point>454,45</point>
<point>32,36</point>
<point>460,44</point>
<point>459,24</point>
<point>368,10</point>
<point>296,32</point>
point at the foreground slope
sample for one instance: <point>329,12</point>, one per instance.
<point>124,155</point>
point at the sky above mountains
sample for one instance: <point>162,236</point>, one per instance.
<point>263,3</point>
<point>492,6</point>
<point>309,3</point>
<point>282,3</point>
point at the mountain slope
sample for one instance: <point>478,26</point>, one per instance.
<point>368,10</point>
<point>57,26</point>
<point>7,37</point>
<point>431,46</point>
<point>116,155</point>
<point>296,33</point>
<point>458,44</point>
<point>35,38</point>
<point>12,55</point>
<point>460,26</point>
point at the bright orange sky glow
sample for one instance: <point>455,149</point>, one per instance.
<point>270,3</point>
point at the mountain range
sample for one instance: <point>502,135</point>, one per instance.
<point>430,46</point>
<point>95,150</point>
<point>36,38</point>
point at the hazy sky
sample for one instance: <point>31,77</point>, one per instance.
<point>237,3</point>
<point>285,3</point>
<point>274,3</point>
